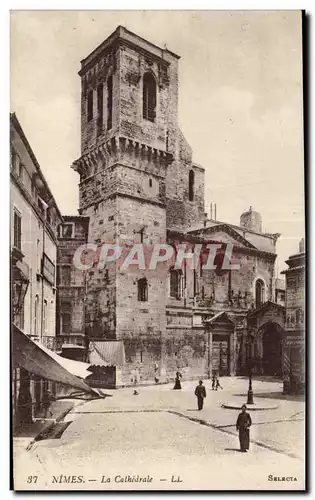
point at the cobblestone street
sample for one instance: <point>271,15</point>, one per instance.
<point>158,435</point>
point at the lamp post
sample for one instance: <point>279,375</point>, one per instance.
<point>250,394</point>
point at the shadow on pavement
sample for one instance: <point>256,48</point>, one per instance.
<point>232,449</point>
<point>262,378</point>
<point>275,395</point>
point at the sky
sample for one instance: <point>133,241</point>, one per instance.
<point>240,102</point>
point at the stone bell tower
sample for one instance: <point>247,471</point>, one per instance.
<point>129,136</point>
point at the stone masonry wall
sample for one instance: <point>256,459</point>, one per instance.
<point>71,281</point>
<point>140,324</point>
<point>181,212</point>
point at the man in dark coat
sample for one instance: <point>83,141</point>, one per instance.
<point>200,392</point>
<point>242,425</point>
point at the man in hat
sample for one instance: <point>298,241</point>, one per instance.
<point>200,392</point>
<point>242,426</point>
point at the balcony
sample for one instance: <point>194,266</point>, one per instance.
<point>73,341</point>
<point>49,341</point>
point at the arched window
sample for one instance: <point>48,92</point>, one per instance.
<point>109,102</point>
<point>149,97</point>
<point>191,185</point>
<point>259,293</point>
<point>90,105</point>
<point>176,283</point>
<point>143,290</point>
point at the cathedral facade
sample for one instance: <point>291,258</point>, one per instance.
<point>139,185</point>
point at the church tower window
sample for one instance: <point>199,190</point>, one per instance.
<point>99,109</point>
<point>109,102</point>
<point>191,186</point>
<point>259,293</point>
<point>143,290</point>
<point>90,105</point>
<point>149,97</point>
<point>176,283</point>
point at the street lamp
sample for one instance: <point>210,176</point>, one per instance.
<point>250,394</point>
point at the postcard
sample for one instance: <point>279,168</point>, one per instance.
<point>157,244</point>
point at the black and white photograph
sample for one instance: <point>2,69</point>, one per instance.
<point>157,250</point>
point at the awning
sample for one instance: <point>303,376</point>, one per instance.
<point>30,356</point>
<point>77,368</point>
<point>107,352</point>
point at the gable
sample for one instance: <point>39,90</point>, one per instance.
<point>225,234</point>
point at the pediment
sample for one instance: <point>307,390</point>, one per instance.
<point>225,234</point>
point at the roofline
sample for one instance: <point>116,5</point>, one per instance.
<point>15,122</point>
<point>268,302</point>
<point>250,245</point>
<point>266,235</point>
<point>116,36</point>
<point>76,217</point>
<point>198,166</point>
<point>271,256</point>
<point>217,316</point>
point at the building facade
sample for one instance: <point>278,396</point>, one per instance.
<point>35,218</point>
<point>294,344</point>
<point>71,289</point>
<point>139,185</point>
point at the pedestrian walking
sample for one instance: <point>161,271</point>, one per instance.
<point>217,384</point>
<point>213,381</point>
<point>177,381</point>
<point>47,399</point>
<point>243,424</point>
<point>200,392</point>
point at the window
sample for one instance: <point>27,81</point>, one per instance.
<point>66,322</point>
<point>150,183</point>
<point>66,230</point>
<point>65,317</point>
<point>64,275</point>
<point>176,283</point>
<point>259,293</point>
<point>143,290</point>
<point>20,170</point>
<point>48,269</point>
<point>36,305</point>
<point>109,102</point>
<point>17,226</point>
<point>149,97</point>
<point>90,105</point>
<point>38,256</point>
<point>42,206</point>
<point>33,188</point>
<point>99,109</point>
<point>191,185</point>
<point>13,160</point>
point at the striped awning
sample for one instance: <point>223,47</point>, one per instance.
<point>38,361</point>
<point>107,352</point>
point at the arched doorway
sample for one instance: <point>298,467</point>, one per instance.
<point>272,338</point>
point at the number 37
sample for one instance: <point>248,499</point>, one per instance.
<point>32,479</point>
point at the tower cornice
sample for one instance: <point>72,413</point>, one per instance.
<point>115,149</point>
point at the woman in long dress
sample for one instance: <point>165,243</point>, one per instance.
<point>177,381</point>
<point>243,424</point>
